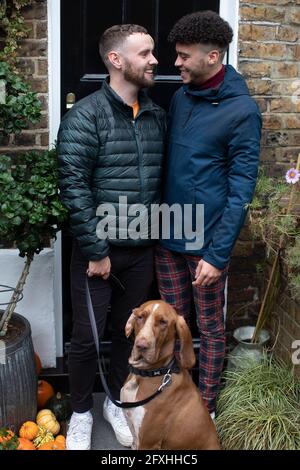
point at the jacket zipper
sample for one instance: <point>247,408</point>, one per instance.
<point>140,157</point>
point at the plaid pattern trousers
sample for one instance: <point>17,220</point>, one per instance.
<point>175,273</point>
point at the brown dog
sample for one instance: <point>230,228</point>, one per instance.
<point>177,418</point>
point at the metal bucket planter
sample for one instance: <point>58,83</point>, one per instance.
<point>18,379</point>
<point>246,352</point>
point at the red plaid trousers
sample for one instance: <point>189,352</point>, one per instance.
<point>175,273</point>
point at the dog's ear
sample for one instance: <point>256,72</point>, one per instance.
<point>186,355</point>
<point>131,322</point>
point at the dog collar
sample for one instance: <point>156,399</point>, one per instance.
<point>171,368</point>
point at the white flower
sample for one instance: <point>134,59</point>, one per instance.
<point>292,176</point>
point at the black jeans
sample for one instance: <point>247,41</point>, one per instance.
<point>134,267</point>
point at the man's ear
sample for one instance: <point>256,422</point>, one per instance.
<point>213,57</point>
<point>115,59</point>
<point>131,322</point>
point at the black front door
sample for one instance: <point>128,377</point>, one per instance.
<point>82,22</point>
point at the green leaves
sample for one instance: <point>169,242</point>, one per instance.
<point>22,105</point>
<point>13,27</point>
<point>30,209</point>
<point>8,440</point>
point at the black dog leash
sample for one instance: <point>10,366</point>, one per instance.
<point>167,378</point>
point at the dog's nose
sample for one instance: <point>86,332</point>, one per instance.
<point>142,344</point>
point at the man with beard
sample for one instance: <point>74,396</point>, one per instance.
<point>213,152</point>
<point>110,145</point>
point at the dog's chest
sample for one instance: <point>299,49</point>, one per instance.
<point>135,415</point>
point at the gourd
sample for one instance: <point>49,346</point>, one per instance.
<point>60,405</point>
<point>47,419</point>
<point>29,430</point>
<point>43,436</point>
<point>45,392</point>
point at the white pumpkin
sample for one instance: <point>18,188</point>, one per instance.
<point>47,419</point>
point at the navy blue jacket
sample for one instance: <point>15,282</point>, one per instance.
<point>213,156</point>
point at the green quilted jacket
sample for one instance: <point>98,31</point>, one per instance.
<point>104,154</point>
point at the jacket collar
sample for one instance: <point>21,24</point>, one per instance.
<point>146,104</point>
<point>233,85</point>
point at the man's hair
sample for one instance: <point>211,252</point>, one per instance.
<point>113,37</point>
<point>204,27</point>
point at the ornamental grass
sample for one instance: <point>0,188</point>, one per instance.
<point>259,408</point>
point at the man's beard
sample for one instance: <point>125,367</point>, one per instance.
<point>196,75</point>
<point>137,78</point>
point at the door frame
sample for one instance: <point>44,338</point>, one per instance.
<point>229,10</point>
<point>54,92</point>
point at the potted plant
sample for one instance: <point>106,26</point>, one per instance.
<point>31,211</point>
<point>258,408</point>
<point>31,215</point>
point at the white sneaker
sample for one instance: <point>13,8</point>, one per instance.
<point>80,431</point>
<point>115,416</point>
<point>213,415</point>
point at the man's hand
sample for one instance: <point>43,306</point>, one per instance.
<point>99,268</point>
<point>206,274</point>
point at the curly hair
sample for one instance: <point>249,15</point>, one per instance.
<point>114,36</point>
<point>205,27</point>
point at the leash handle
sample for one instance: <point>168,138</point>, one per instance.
<point>165,381</point>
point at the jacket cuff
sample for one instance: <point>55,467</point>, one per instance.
<point>95,255</point>
<point>214,262</point>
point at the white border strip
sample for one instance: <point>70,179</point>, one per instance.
<point>54,121</point>
<point>229,11</point>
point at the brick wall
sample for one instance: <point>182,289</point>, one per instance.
<point>34,67</point>
<point>269,44</point>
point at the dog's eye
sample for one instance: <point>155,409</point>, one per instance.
<point>140,318</point>
<point>163,322</point>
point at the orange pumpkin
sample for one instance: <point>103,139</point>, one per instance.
<point>38,364</point>
<point>25,444</point>
<point>45,391</point>
<point>60,439</point>
<point>29,430</point>
<point>52,446</point>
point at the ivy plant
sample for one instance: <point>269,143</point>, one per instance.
<point>12,27</point>
<point>20,105</point>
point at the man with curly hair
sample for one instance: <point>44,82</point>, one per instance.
<point>213,153</point>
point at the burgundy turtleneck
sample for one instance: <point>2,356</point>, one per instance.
<point>215,81</point>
